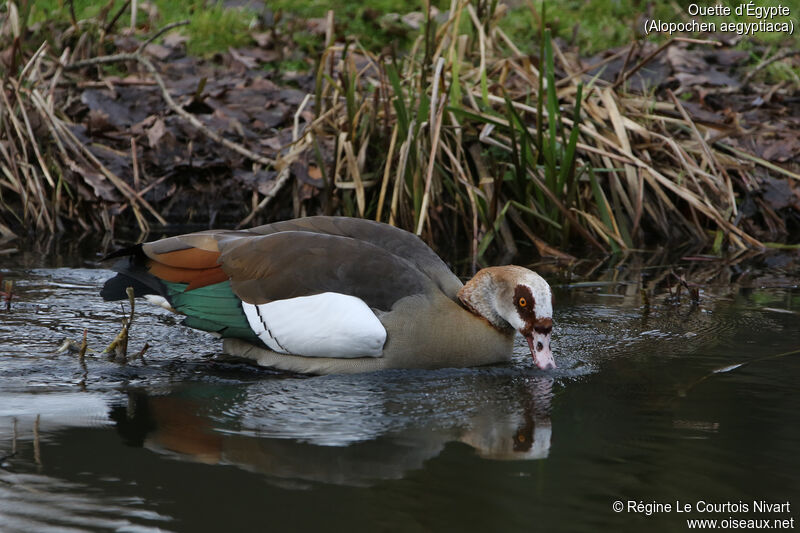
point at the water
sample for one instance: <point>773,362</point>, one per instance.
<point>186,441</point>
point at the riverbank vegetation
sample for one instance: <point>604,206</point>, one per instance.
<point>458,123</point>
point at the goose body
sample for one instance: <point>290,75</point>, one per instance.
<point>336,294</point>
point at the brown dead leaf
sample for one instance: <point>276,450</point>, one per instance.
<point>710,77</point>
<point>158,51</point>
<point>175,39</point>
<point>247,61</point>
<point>265,181</point>
<point>416,19</point>
<point>98,121</point>
<point>728,57</point>
<point>701,114</point>
<point>261,180</point>
<point>263,84</point>
<point>126,105</point>
<point>127,43</point>
<point>158,135</point>
<point>262,39</point>
<point>291,96</point>
<point>317,26</point>
<point>651,75</point>
<point>727,38</point>
<point>99,184</point>
<point>778,194</point>
<point>268,118</point>
<point>782,149</point>
<point>314,172</point>
<point>306,192</point>
<point>140,127</point>
<point>152,11</point>
<point>225,120</point>
<point>301,171</point>
<point>682,59</point>
<point>7,58</point>
<point>273,143</point>
<point>258,55</point>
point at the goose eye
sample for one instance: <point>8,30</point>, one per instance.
<point>523,302</point>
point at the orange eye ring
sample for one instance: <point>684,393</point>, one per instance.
<point>523,302</point>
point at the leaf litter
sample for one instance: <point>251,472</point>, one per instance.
<point>718,123</point>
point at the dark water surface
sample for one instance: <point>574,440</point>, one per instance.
<point>190,442</point>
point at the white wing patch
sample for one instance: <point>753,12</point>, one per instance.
<point>324,325</point>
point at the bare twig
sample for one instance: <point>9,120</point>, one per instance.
<point>587,68</point>
<point>277,184</point>
<point>283,164</point>
<point>767,62</point>
<point>140,353</point>
<point>159,33</point>
<point>135,164</point>
<point>116,17</point>
<point>436,125</point>
<point>657,51</point>
<point>83,347</point>
<point>72,16</point>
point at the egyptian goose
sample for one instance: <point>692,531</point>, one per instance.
<point>338,295</point>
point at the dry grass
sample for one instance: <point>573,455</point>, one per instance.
<point>39,148</point>
<point>463,136</point>
<point>467,134</point>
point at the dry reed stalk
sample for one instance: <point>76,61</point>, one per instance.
<point>387,172</point>
<point>616,113</point>
<point>436,124</point>
<point>531,151</point>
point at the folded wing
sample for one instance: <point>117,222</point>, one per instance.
<point>308,287</point>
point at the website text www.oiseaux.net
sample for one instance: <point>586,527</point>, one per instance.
<point>770,515</point>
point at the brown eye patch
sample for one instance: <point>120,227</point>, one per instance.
<point>525,302</point>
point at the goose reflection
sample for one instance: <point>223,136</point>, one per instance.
<point>343,430</point>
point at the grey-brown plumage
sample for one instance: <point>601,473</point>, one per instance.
<point>430,318</point>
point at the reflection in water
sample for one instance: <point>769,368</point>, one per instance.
<point>382,433</point>
<point>33,501</point>
<point>169,444</point>
<point>522,435</point>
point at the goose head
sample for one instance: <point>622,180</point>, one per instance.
<point>514,297</point>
